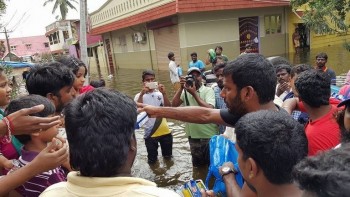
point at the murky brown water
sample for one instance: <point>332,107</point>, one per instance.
<point>179,169</point>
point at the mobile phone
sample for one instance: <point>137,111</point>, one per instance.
<point>152,85</point>
<point>192,188</point>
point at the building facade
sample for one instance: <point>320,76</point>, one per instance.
<point>28,47</point>
<point>139,33</point>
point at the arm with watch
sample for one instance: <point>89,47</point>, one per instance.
<point>228,172</point>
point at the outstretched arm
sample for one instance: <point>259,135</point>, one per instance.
<point>290,105</point>
<point>23,123</point>
<point>193,114</point>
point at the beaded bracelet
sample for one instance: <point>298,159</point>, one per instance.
<point>8,135</point>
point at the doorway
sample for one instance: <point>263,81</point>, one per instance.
<point>249,33</point>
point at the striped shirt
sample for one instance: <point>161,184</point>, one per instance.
<point>36,185</point>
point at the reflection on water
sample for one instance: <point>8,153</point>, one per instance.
<point>174,172</point>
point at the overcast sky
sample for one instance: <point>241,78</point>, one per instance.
<point>29,17</point>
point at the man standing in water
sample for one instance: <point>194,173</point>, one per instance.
<point>174,75</point>
<point>321,61</point>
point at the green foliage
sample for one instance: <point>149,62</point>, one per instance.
<point>326,16</point>
<point>63,5</point>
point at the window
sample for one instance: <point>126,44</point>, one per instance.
<point>273,24</point>
<point>29,46</point>
<point>46,44</point>
<point>13,48</point>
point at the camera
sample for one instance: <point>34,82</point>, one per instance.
<point>152,85</point>
<point>189,80</point>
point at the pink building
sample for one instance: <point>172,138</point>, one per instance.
<point>28,46</point>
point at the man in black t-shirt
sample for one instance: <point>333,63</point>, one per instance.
<point>249,85</point>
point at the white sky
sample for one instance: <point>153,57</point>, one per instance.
<point>35,16</point>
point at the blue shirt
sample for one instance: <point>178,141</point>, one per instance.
<point>219,104</point>
<point>199,64</point>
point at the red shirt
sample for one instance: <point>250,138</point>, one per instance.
<point>323,134</point>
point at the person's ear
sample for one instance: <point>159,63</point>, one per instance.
<point>254,169</point>
<point>133,144</point>
<point>247,93</point>
<point>51,97</point>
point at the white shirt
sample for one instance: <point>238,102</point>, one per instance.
<point>174,77</point>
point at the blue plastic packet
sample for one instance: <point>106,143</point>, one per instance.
<point>142,118</point>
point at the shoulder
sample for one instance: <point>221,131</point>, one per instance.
<point>58,189</point>
<point>155,191</point>
<point>228,117</point>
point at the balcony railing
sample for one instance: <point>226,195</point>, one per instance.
<point>119,9</point>
<point>62,25</point>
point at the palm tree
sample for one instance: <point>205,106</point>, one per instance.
<point>63,4</point>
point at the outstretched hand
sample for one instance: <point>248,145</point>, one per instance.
<point>149,109</point>
<point>24,124</point>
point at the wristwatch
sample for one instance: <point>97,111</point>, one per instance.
<point>227,170</point>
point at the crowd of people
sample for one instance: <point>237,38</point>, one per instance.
<point>291,136</point>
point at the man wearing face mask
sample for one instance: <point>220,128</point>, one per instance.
<point>193,93</point>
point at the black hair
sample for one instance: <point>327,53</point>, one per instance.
<point>193,53</point>
<point>219,66</point>
<point>322,55</point>
<point>278,60</point>
<point>326,174</point>
<point>218,47</point>
<point>73,63</point>
<point>274,140</point>
<point>281,67</point>
<point>253,70</point>
<point>147,72</point>
<point>297,69</point>
<point>27,102</point>
<point>313,87</point>
<point>49,78</point>
<point>98,83</point>
<point>99,126</point>
<point>170,55</point>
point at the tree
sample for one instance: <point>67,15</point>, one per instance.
<point>326,16</point>
<point>64,6</point>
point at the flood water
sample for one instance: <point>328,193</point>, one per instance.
<point>173,173</point>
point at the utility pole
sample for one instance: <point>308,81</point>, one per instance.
<point>83,42</point>
<point>7,40</point>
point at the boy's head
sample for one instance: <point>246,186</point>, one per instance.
<point>326,174</point>
<point>274,150</point>
<point>5,89</point>
<point>31,101</point>
<point>313,87</point>
<point>171,56</point>
<point>148,76</point>
<point>102,120</point>
<point>54,81</point>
